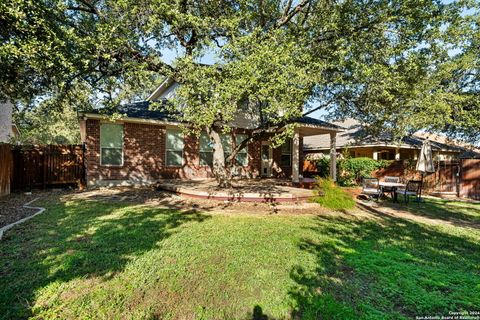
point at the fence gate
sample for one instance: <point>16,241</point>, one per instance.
<point>470,176</point>
<point>41,166</point>
<point>447,175</point>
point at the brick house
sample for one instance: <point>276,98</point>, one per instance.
<point>145,145</point>
<point>358,144</point>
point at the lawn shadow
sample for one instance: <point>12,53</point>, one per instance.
<point>385,268</point>
<point>258,314</point>
<point>455,213</point>
<point>79,240</point>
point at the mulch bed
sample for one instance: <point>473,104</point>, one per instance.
<point>11,207</point>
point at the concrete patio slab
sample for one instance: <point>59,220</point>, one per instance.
<point>248,190</point>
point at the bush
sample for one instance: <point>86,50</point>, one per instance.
<point>323,167</point>
<point>331,196</point>
<point>353,170</point>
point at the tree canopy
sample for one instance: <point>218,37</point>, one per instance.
<point>395,65</point>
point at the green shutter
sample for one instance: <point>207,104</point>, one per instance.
<point>206,144</point>
<point>241,158</point>
<point>226,143</point>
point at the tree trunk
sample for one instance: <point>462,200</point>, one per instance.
<point>219,169</point>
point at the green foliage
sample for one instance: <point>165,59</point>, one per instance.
<point>352,170</point>
<point>388,64</point>
<point>323,166</point>
<point>47,125</point>
<point>332,196</point>
<point>110,259</point>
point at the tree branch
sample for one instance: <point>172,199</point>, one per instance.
<point>88,10</point>
<point>288,16</point>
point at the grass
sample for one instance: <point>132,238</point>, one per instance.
<point>102,260</point>
<point>447,210</point>
<point>332,196</point>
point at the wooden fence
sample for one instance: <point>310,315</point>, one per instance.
<point>470,179</point>
<point>459,177</point>
<point>42,166</point>
<point>5,168</point>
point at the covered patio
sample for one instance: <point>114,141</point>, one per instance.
<point>306,126</point>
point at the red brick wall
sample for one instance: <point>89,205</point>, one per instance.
<point>144,153</point>
<point>191,168</point>
<point>144,156</point>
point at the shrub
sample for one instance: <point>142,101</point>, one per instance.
<point>332,196</point>
<point>352,170</point>
<point>323,167</point>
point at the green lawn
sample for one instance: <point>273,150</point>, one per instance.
<point>98,260</point>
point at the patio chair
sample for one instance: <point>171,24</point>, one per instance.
<point>413,188</point>
<point>390,190</point>
<point>371,188</point>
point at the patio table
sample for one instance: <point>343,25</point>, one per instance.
<point>393,185</point>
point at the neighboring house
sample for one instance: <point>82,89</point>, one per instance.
<point>143,146</point>
<point>358,144</point>
<point>7,129</point>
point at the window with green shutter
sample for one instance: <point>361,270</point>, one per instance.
<point>205,150</point>
<point>242,156</point>
<point>174,148</point>
<point>111,144</point>
<point>227,144</point>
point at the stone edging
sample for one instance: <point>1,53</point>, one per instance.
<point>27,206</point>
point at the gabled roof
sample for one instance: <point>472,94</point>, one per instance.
<point>356,136</point>
<point>137,110</point>
<point>316,122</point>
<point>142,110</point>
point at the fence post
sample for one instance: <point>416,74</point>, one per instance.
<point>84,169</point>
<point>44,160</point>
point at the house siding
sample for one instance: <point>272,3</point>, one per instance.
<point>143,154</point>
<point>144,157</point>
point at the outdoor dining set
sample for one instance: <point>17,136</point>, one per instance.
<point>376,189</point>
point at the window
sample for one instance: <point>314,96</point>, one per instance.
<point>242,157</point>
<point>227,144</point>
<point>386,155</point>
<point>206,150</point>
<point>286,158</point>
<point>111,144</point>
<point>174,147</point>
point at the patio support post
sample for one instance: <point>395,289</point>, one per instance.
<point>397,154</point>
<point>296,157</point>
<point>333,156</point>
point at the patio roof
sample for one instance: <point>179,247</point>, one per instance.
<point>309,126</point>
